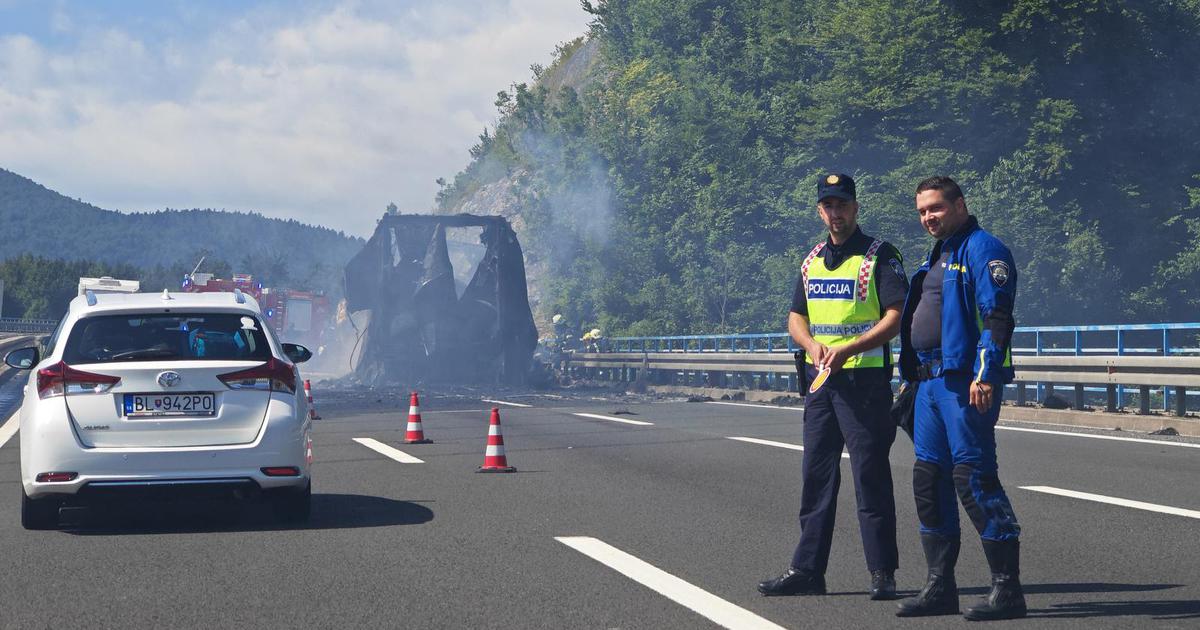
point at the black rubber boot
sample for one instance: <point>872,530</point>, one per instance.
<point>1005,601</point>
<point>939,596</point>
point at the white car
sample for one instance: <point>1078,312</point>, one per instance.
<point>171,393</point>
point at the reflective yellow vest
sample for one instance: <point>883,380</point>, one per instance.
<point>843,304</point>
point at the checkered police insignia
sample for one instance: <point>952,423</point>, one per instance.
<point>831,180</point>
<point>864,271</point>
<point>999,272</point>
<point>808,260</point>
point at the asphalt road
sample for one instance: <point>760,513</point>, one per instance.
<point>702,518</point>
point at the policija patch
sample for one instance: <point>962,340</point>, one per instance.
<point>999,272</point>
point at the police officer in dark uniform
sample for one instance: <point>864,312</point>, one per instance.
<point>955,348</point>
<point>845,308</point>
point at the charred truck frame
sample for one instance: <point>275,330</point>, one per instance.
<point>426,327</point>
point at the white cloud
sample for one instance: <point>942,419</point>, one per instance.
<point>324,117</point>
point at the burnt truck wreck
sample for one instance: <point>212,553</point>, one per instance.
<point>434,320</point>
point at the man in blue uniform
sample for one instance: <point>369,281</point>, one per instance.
<point>954,347</point>
<point>845,309</point>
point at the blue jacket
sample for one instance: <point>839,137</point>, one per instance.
<point>978,294</point>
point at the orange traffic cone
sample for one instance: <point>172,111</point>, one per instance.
<point>493,457</point>
<point>312,409</point>
<point>415,434</point>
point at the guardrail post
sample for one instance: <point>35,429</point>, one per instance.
<point>1114,401</point>
<point>1144,400</point>
<point>1180,401</point>
<point>1038,389</point>
<point>1120,351</point>
<point>1079,396</point>
<point>1020,393</point>
<point>1166,349</point>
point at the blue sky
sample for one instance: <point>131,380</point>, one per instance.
<point>320,111</point>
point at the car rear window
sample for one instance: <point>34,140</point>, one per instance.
<point>166,337</point>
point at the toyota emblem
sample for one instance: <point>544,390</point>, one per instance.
<point>169,379</point>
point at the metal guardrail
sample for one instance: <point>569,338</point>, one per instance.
<point>777,370</point>
<point>1086,359</point>
<point>1118,339</point>
<point>32,326</point>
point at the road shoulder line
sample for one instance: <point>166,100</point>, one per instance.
<point>1100,437</point>
<point>741,404</point>
<point>1100,498</point>
<point>10,428</point>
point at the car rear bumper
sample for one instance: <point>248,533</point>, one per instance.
<point>283,441</point>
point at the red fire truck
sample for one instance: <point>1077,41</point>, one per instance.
<point>296,316</point>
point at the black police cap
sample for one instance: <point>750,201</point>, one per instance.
<point>837,185</point>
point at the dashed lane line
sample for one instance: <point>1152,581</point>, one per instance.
<point>505,402</point>
<point>388,451</point>
<point>1099,498</point>
<point>596,416</point>
<point>700,601</point>
<point>738,404</point>
<point>1102,437</point>
<point>794,447</point>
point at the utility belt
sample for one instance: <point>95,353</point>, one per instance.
<point>930,366</point>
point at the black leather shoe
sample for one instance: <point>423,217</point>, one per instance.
<point>793,582</point>
<point>939,596</point>
<point>883,585</point>
<point>1005,600</point>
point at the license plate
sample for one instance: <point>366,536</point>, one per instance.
<point>139,405</point>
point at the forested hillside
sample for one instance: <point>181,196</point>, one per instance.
<point>161,246</point>
<point>671,191</point>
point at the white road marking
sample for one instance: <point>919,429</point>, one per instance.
<point>505,402</point>
<point>1102,437</point>
<point>10,428</point>
<point>387,451</point>
<point>1099,498</point>
<point>706,604</point>
<point>597,416</point>
<point>737,404</point>
<point>794,447</point>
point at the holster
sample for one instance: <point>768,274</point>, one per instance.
<point>801,371</point>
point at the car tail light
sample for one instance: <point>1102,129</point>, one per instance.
<point>61,378</point>
<point>281,471</point>
<point>272,376</point>
<point>56,476</point>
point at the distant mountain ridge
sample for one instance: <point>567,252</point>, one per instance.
<point>39,221</point>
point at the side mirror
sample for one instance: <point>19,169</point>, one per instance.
<point>22,359</point>
<point>296,352</point>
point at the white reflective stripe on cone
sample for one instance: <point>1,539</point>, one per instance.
<point>414,426</point>
<point>414,410</point>
<point>494,450</point>
<point>494,429</point>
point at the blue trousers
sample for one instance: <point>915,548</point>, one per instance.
<point>956,461</point>
<point>851,412</point>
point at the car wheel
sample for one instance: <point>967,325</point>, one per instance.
<point>38,513</point>
<point>292,505</point>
